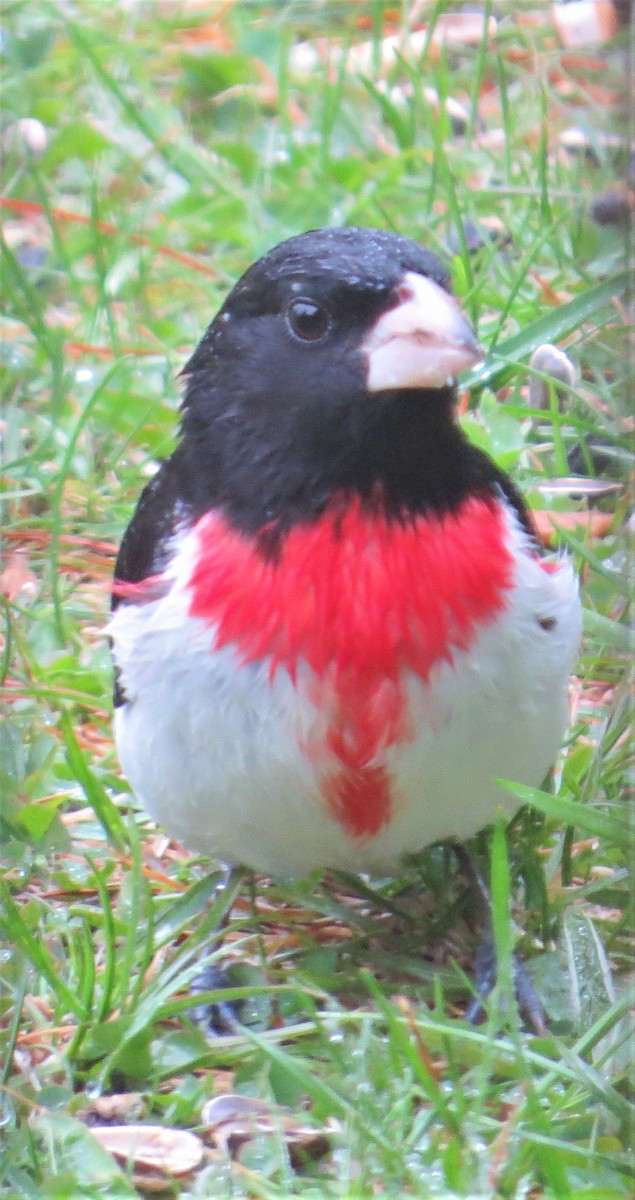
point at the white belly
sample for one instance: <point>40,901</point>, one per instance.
<point>212,747</point>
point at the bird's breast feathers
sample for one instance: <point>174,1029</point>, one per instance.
<point>351,677</point>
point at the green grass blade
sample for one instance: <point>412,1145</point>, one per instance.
<point>557,324</point>
<point>18,931</point>
<point>107,813</point>
<point>569,812</point>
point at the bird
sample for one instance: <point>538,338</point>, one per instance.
<point>333,625</point>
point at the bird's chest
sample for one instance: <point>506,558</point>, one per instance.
<point>350,701</point>
<point>352,607</point>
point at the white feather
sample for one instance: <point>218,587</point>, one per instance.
<point>211,745</point>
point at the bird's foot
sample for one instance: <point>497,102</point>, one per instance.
<point>218,1017</point>
<point>485,972</point>
<point>485,964</point>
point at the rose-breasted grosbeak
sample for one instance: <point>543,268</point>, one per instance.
<point>333,626</point>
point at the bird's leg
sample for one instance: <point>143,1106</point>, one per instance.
<point>485,964</point>
<point>220,1017</point>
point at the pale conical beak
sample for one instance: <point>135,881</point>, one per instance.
<point>423,342</point>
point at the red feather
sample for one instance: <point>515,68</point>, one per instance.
<point>362,599</point>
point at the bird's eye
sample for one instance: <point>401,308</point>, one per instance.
<point>307,321</point>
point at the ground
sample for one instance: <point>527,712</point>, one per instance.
<point>151,152</point>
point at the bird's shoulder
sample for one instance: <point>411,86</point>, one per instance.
<point>160,509</point>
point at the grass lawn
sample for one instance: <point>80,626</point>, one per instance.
<point>151,152</point>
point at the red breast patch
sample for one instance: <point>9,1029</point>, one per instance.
<point>362,599</point>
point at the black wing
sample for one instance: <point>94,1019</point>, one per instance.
<point>144,547</point>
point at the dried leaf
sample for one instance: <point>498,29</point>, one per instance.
<point>28,136</point>
<point>549,360</point>
<point>451,29</point>
<point>172,1152</point>
<point>574,486</point>
<point>429,1064</point>
<point>17,579</point>
<point>235,1120</point>
<point>593,524</point>
<point>119,1106</point>
<point>576,141</point>
<point>585,22</point>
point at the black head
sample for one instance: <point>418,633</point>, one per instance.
<point>330,367</point>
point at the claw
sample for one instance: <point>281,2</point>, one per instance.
<point>221,1017</point>
<point>529,1002</point>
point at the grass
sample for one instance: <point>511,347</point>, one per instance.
<point>180,143</point>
